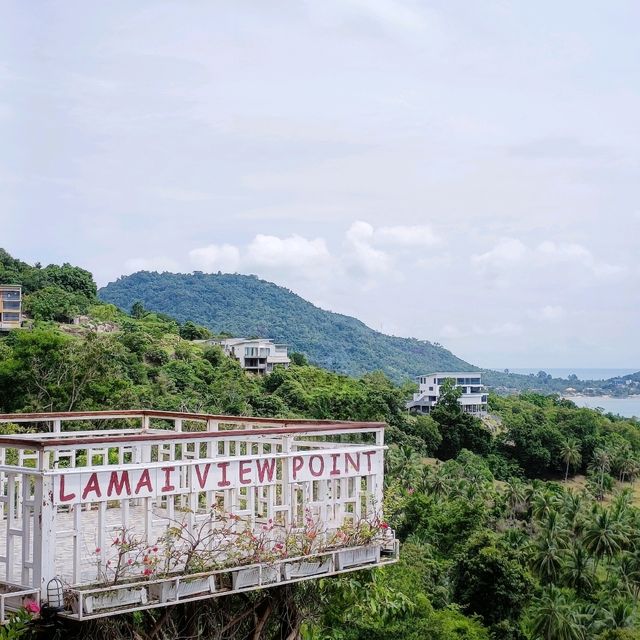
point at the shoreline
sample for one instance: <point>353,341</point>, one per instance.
<point>633,396</point>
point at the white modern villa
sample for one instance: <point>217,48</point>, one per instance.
<point>473,398</point>
<point>10,306</point>
<point>256,355</point>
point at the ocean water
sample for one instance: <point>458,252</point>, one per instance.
<point>627,407</point>
<point>583,374</point>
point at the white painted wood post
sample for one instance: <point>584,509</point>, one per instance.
<point>288,494</point>
<point>145,456</point>
<point>377,496</point>
<point>44,533</point>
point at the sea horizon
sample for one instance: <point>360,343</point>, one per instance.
<point>583,373</point>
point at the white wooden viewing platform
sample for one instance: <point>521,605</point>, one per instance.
<point>140,509</point>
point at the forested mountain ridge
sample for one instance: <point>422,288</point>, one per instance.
<point>247,306</point>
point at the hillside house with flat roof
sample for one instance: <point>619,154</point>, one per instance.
<point>473,399</point>
<point>10,306</point>
<point>256,355</point>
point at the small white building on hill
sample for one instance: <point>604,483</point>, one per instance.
<point>256,355</point>
<point>473,399</point>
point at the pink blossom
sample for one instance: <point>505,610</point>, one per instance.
<point>32,606</point>
<point>130,561</point>
<point>147,572</point>
<point>98,549</point>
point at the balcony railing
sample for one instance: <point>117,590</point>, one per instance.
<point>120,509</point>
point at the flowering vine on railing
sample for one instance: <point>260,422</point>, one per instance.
<point>222,540</point>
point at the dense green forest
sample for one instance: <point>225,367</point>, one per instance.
<point>242,305</point>
<point>525,531</point>
<point>247,306</point>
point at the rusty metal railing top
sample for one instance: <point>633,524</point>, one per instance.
<point>218,426</point>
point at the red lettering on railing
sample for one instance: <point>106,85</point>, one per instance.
<point>335,471</point>
<point>266,467</point>
<point>145,481</point>
<point>93,486</point>
<point>118,485</point>
<point>298,463</point>
<point>167,479</point>
<point>368,454</point>
<point>316,472</point>
<point>348,460</point>
<point>245,469</point>
<point>223,466</point>
<point>202,477</point>
<point>65,497</point>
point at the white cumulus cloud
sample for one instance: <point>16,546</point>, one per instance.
<point>406,235</point>
<point>509,254</point>
<point>214,257</point>
<point>157,263</point>
<point>507,250</point>
<point>293,252</point>
<point>361,257</point>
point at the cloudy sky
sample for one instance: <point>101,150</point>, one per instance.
<point>464,172</point>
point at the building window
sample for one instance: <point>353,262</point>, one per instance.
<point>11,304</point>
<point>10,317</point>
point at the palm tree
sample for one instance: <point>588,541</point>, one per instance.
<point>571,456</point>
<point>618,615</point>
<point>515,538</point>
<point>577,572</point>
<point>515,497</point>
<point>620,507</point>
<point>601,464</point>
<point>554,527</point>
<point>436,484</point>
<point>629,573</point>
<point>543,503</point>
<point>547,559</point>
<point>572,508</point>
<point>627,467</point>
<point>553,616</point>
<point>403,464</point>
<point>604,537</point>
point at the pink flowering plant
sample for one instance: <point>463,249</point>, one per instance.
<point>198,547</point>
<point>198,543</point>
<point>361,532</point>
<point>130,556</point>
<point>307,539</point>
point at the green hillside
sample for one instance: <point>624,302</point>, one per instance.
<point>525,533</point>
<point>247,306</point>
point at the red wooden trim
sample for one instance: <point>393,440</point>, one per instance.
<point>39,443</point>
<point>151,413</point>
<point>44,417</point>
<point>296,425</point>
